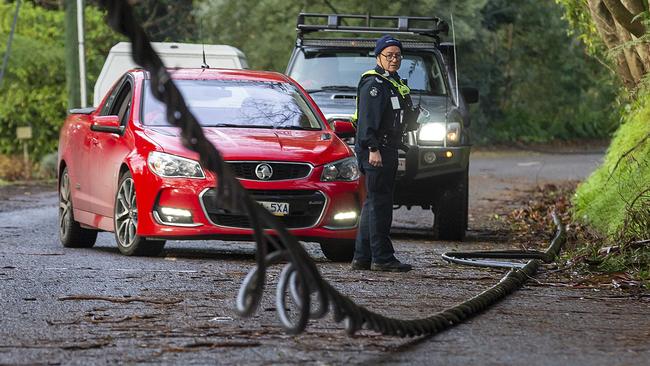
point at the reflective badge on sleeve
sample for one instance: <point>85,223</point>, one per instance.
<point>374,91</point>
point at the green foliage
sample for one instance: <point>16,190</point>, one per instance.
<point>167,20</point>
<point>538,84</point>
<point>615,199</point>
<point>33,92</point>
<point>580,23</point>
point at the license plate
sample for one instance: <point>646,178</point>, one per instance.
<point>401,164</point>
<point>276,208</point>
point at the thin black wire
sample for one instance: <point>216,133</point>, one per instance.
<point>300,279</point>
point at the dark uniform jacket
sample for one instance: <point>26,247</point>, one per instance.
<point>379,112</point>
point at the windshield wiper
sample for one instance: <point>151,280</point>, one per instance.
<point>333,87</point>
<point>298,128</point>
<point>237,126</point>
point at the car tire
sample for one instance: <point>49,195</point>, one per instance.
<point>338,250</point>
<point>71,234</point>
<point>451,210</point>
<point>125,219</point>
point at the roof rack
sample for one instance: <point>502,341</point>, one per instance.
<point>402,24</point>
<point>368,43</point>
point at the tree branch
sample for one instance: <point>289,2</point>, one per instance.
<point>606,27</point>
<point>624,17</point>
<point>635,6</point>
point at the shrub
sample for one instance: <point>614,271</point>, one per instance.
<point>616,197</point>
<point>13,168</point>
<point>47,166</point>
<point>34,88</point>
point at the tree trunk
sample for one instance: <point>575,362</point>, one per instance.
<point>624,17</point>
<point>631,56</point>
<point>606,27</point>
<point>643,49</point>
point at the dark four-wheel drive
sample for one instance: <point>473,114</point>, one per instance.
<point>433,168</point>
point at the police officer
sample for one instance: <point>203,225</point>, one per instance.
<point>381,101</point>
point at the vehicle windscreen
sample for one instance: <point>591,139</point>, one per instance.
<point>324,70</point>
<point>225,103</point>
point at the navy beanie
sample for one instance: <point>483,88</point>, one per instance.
<point>386,41</point>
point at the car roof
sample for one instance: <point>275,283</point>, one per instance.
<point>217,74</point>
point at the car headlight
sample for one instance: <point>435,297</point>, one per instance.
<point>436,132</point>
<point>346,170</point>
<point>432,132</point>
<point>453,132</point>
<point>172,166</point>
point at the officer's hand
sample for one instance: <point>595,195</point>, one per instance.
<point>375,158</point>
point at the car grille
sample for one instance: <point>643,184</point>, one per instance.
<point>305,207</point>
<point>281,171</point>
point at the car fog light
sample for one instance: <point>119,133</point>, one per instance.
<point>173,216</point>
<point>349,215</point>
<point>169,211</point>
<point>449,154</point>
<point>429,157</point>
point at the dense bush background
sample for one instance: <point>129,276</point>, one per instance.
<point>33,92</point>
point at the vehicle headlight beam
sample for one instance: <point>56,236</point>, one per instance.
<point>439,132</point>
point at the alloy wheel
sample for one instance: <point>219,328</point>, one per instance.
<point>65,205</point>
<point>126,214</point>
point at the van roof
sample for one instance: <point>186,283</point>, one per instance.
<point>181,48</point>
<point>173,54</point>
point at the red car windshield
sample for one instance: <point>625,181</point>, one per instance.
<point>225,103</point>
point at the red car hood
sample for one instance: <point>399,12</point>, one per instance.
<point>259,144</point>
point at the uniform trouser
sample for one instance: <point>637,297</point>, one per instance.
<point>373,241</point>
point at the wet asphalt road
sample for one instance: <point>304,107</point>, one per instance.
<point>94,306</point>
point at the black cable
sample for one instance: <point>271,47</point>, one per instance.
<point>300,278</point>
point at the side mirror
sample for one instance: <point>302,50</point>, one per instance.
<point>110,124</point>
<point>344,129</point>
<point>470,95</point>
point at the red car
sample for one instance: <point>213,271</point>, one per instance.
<point>122,167</point>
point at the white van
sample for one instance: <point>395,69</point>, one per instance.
<point>119,60</point>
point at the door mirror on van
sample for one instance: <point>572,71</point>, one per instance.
<point>343,129</point>
<point>110,124</point>
<point>470,95</point>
